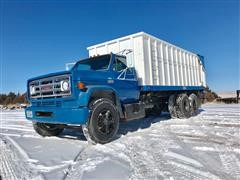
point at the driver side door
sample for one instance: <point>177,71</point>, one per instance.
<point>125,80</point>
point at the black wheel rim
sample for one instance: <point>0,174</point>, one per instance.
<point>186,105</point>
<point>105,122</point>
<point>194,104</point>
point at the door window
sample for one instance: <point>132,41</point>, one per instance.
<point>119,63</point>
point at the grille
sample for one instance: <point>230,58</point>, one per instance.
<point>50,87</point>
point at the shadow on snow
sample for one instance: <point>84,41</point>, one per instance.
<point>124,127</point>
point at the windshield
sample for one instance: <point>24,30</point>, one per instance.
<point>95,63</point>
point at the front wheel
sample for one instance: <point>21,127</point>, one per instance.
<point>103,123</point>
<point>46,129</point>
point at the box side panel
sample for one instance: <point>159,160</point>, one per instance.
<point>139,64</point>
<point>170,65</point>
<point>147,61</point>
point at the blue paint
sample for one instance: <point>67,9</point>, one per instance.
<point>60,115</point>
<point>50,74</point>
<point>127,90</point>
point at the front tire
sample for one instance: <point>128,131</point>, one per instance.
<point>46,129</point>
<point>103,123</point>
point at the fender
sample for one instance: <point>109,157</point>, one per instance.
<point>84,97</point>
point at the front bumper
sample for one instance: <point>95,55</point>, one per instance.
<point>56,115</point>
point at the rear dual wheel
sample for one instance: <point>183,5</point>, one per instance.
<point>194,104</point>
<point>172,106</point>
<point>181,106</point>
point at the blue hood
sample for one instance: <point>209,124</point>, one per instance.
<point>50,75</point>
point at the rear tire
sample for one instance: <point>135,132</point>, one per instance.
<point>172,106</point>
<point>46,129</point>
<point>194,104</point>
<point>183,109</point>
<point>103,123</point>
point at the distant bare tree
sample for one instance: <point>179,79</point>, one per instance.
<point>12,98</point>
<point>209,95</point>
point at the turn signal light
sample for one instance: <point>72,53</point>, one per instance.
<point>81,85</point>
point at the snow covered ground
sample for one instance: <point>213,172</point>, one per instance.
<point>203,147</point>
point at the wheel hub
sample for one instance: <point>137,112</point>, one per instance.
<point>105,122</point>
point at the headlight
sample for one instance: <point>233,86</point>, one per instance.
<point>32,90</point>
<point>64,85</point>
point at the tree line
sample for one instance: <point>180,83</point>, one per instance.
<point>12,98</point>
<point>209,95</point>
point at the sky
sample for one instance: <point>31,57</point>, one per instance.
<point>40,37</point>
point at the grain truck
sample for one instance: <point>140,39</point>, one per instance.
<point>123,79</point>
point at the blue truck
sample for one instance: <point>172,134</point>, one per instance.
<point>111,86</point>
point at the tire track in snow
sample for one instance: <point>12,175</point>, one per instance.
<point>79,157</point>
<point>218,139</point>
<point>206,171</point>
<point>230,163</point>
<point>146,146</point>
<point>13,166</point>
<point>6,169</point>
<point>145,162</point>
